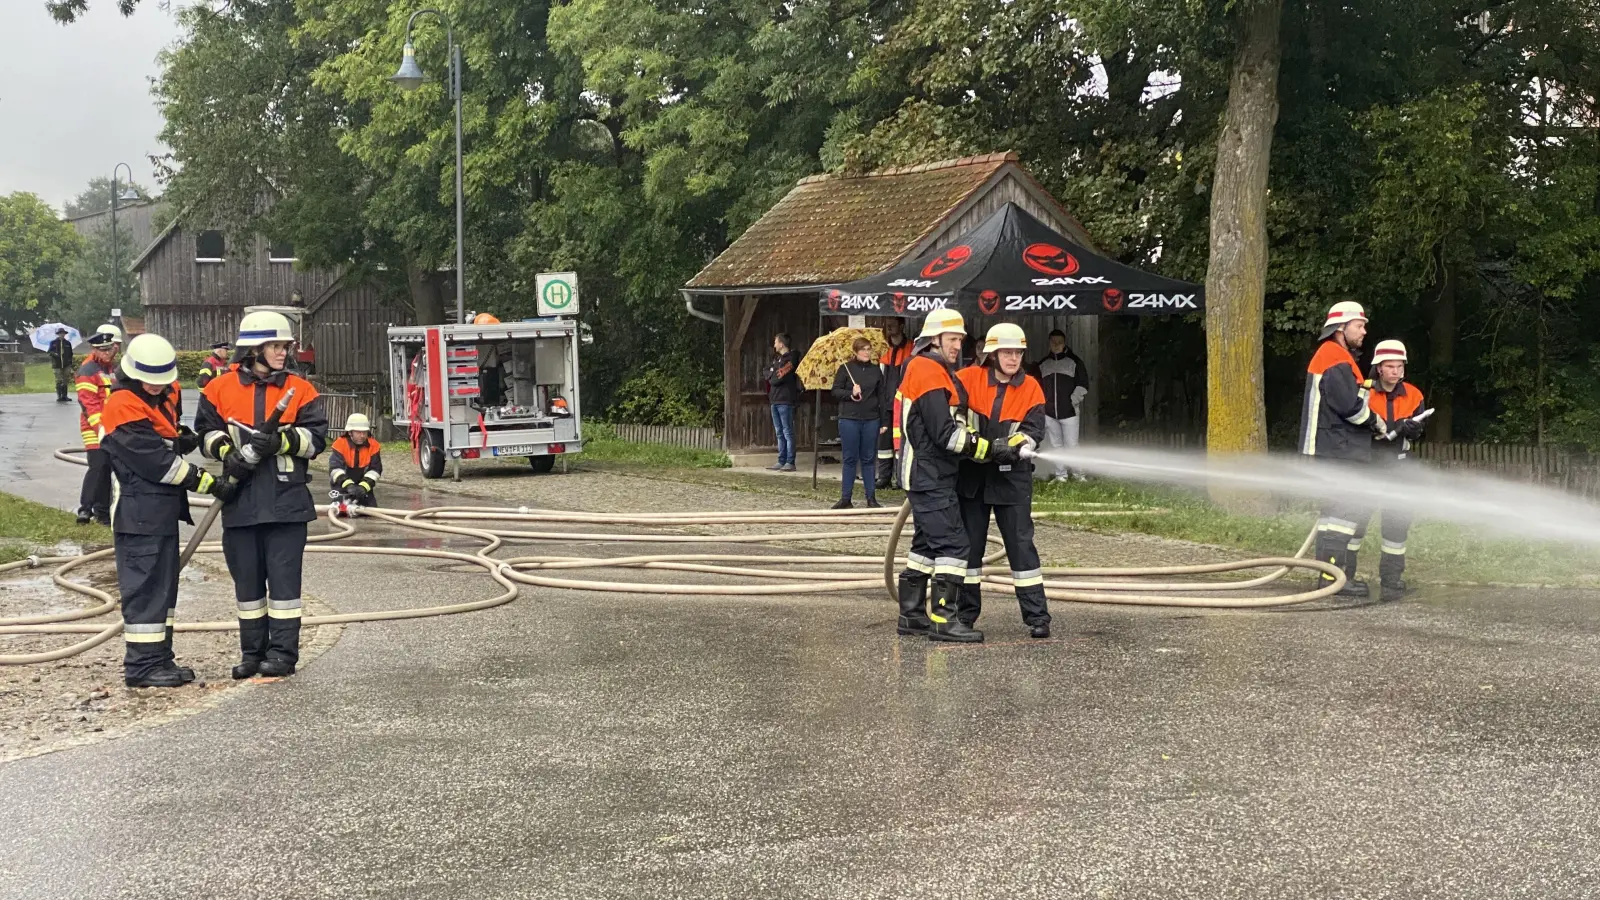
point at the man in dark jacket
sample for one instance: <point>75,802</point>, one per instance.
<point>783,390</point>
<point>1065,380</point>
<point>145,446</point>
<point>61,359</point>
<point>1337,425</point>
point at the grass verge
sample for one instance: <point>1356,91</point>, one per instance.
<point>27,527</point>
<point>601,445</point>
<point>38,378</point>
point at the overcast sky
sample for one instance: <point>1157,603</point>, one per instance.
<point>75,99</point>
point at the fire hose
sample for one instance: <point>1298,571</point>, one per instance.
<point>790,572</point>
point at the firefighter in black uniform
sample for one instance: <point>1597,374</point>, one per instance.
<point>146,446</point>
<point>934,437</point>
<point>1400,404</point>
<point>355,463</point>
<point>264,527</point>
<point>215,364</point>
<point>1337,425</point>
<point>1007,407</point>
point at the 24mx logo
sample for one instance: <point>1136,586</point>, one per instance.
<point>1020,302</point>
<point>1162,301</point>
<point>1070,282</point>
<point>838,301</point>
<point>920,304</point>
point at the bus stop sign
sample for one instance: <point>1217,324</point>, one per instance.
<point>558,293</point>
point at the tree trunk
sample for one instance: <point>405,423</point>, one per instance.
<point>1236,276</point>
<point>426,301</point>
<point>1442,357</point>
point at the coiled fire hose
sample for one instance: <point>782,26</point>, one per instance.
<point>790,572</point>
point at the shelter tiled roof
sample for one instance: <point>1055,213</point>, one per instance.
<point>834,228</point>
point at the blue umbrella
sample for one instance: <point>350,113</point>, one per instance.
<point>44,334</point>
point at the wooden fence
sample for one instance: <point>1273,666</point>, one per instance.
<point>1563,468</point>
<point>672,435</point>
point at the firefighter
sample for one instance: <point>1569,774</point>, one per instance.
<point>933,437</point>
<point>215,364</point>
<point>1401,405</point>
<point>354,465</point>
<point>1007,406</point>
<point>146,448</point>
<point>1337,425</point>
<point>264,526</point>
<point>894,364</point>
<point>95,378</point>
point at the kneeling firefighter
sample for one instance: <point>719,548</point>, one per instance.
<point>265,424</point>
<point>1007,408</point>
<point>145,446</point>
<point>355,463</point>
<point>936,437</point>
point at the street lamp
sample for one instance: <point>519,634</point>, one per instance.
<point>116,262</point>
<point>409,77</point>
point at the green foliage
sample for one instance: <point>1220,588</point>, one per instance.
<point>35,249</point>
<point>602,445</point>
<point>662,397</point>
<point>96,197</point>
<point>27,527</point>
<point>97,281</point>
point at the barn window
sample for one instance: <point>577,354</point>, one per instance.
<point>281,251</point>
<point>210,247</point>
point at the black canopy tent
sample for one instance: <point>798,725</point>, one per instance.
<point>1013,264</point>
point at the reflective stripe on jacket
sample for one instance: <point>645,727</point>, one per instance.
<point>152,481</point>
<point>998,409</point>
<point>94,389</point>
<point>351,465</point>
<point>931,424</point>
<point>277,491</point>
<point>1403,402</point>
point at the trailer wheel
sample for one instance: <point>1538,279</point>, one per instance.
<point>542,465</point>
<point>430,457</point>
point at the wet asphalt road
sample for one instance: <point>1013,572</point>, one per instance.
<point>580,745</point>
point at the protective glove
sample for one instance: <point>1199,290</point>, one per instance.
<point>1379,425</point>
<point>265,443</point>
<point>1410,429</point>
<point>236,466</point>
<point>187,441</point>
<point>361,493</point>
<point>225,490</point>
<point>1003,453</point>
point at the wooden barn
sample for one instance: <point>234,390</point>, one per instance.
<point>831,229</point>
<point>194,289</point>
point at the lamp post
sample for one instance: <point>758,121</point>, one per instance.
<point>116,261</point>
<point>410,77</point>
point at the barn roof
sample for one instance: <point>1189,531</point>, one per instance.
<point>831,229</point>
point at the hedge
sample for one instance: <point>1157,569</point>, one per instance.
<point>189,363</point>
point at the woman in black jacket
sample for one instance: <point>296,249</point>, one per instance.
<point>863,410</point>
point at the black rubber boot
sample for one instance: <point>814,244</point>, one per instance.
<point>1040,631</point>
<point>275,668</point>
<point>158,678</point>
<point>1395,588</point>
<point>946,600</point>
<point>252,646</point>
<point>1353,585</point>
<point>914,604</point>
<point>85,517</point>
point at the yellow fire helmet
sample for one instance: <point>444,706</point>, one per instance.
<point>264,327</point>
<point>150,359</point>
<point>943,321</point>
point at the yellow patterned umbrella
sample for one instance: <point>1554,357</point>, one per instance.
<point>831,351</point>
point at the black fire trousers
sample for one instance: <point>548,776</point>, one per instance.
<point>267,562</point>
<point>147,577</point>
<point>95,498</point>
<point>1016,532</point>
<point>1394,528</point>
<point>938,550</point>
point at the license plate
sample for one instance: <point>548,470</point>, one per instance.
<point>516,450</point>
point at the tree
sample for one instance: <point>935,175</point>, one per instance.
<point>35,248</point>
<point>97,197</point>
<point>1236,275</point>
<point>68,11</point>
<point>87,288</point>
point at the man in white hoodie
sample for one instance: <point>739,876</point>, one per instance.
<point>1065,380</point>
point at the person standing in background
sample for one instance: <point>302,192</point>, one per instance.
<point>94,381</point>
<point>858,386</point>
<point>61,363</point>
<point>783,390</point>
<point>1065,380</point>
<point>894,366</point>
